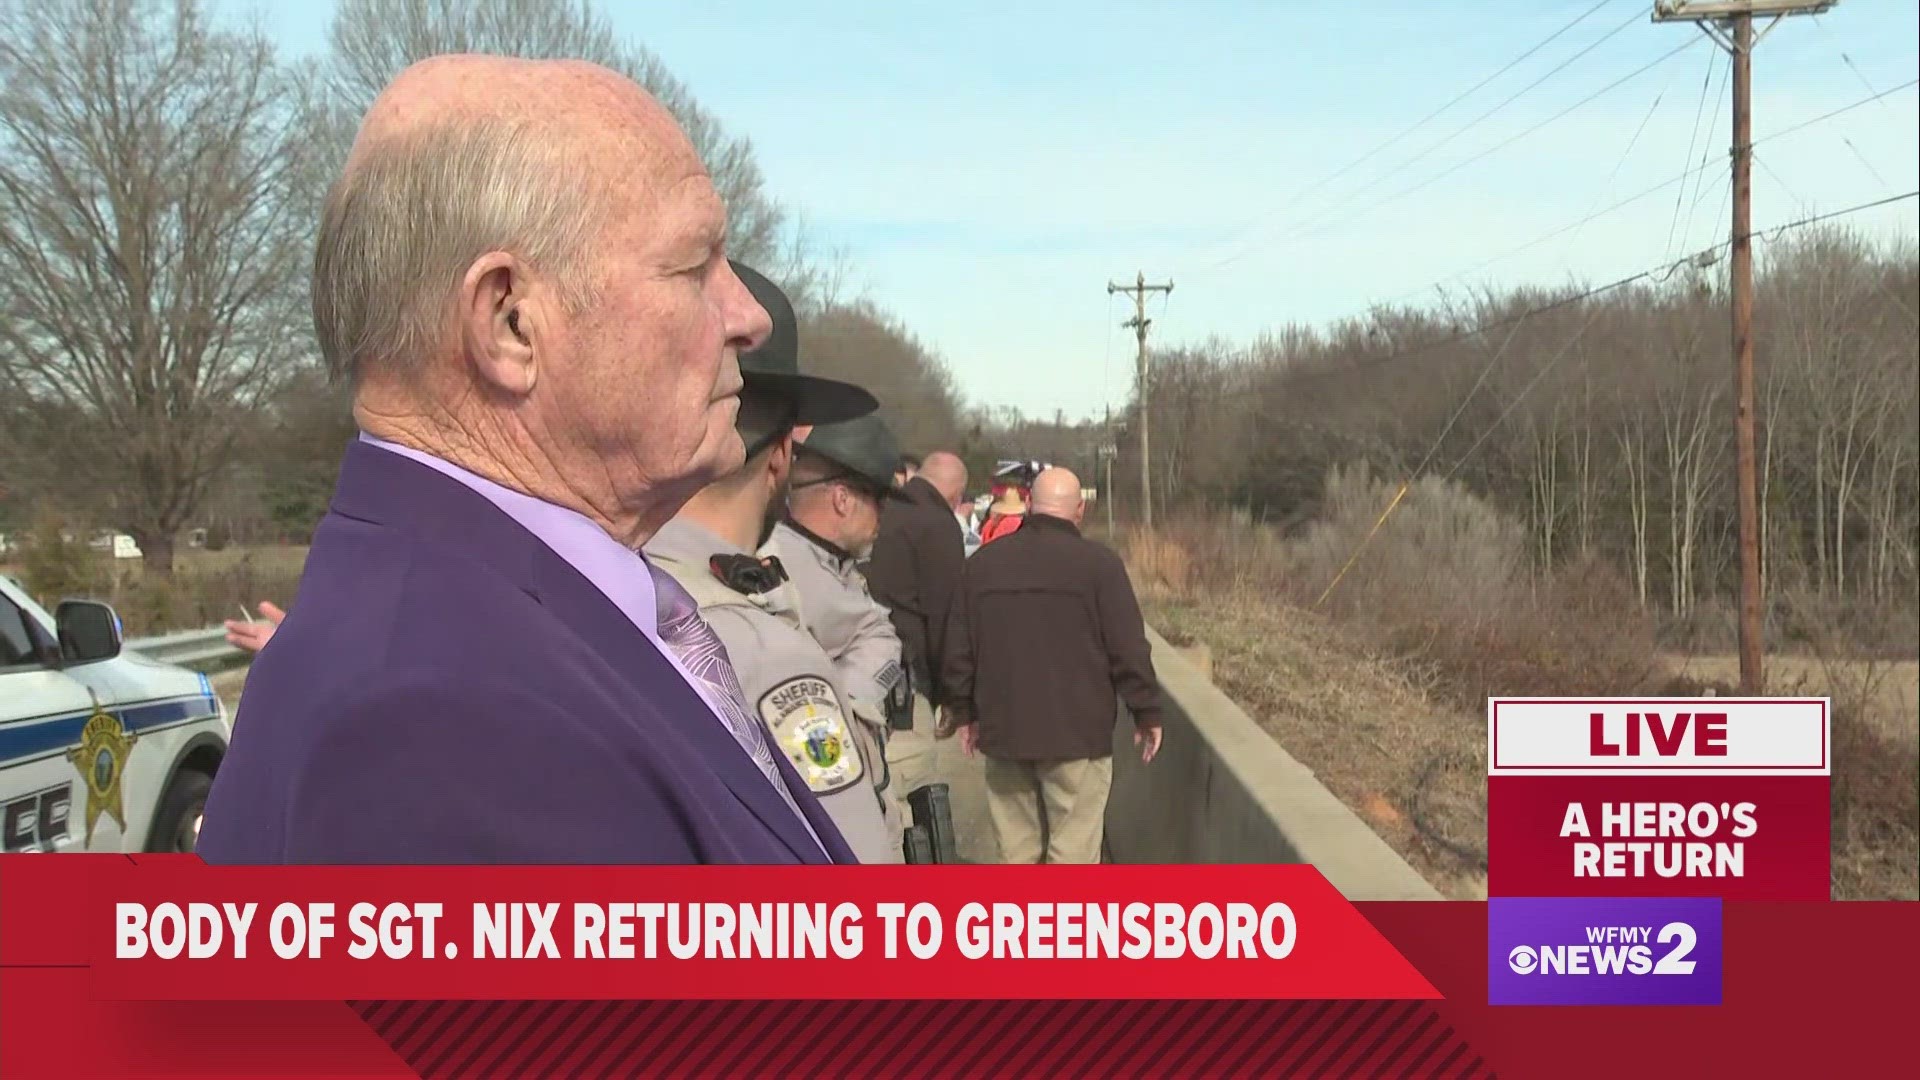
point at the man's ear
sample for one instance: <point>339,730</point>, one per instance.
<point>780,460</point>
<point>500,323</point>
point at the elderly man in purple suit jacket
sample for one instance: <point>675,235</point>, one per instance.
<point>521,272</point>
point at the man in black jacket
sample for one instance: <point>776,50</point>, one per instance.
<point>1046,640</point>
<point>916,566</point>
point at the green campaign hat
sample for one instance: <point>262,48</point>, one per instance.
<point>864,446</point>
<point>774,367</point>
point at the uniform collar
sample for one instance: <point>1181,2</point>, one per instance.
<point>687,541</point>
<point>683,547</point>
<point>819,541</point>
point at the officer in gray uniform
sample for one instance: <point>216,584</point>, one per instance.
<point>841,475</point>
<point>710,547</point>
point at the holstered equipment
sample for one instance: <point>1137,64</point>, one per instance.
<point>933,814</point>
<point>917,846</point>
<point>899,704</point>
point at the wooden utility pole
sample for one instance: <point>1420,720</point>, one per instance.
<point>1730,24</point>
<point>1107,451</point>
<point>1139,324</point>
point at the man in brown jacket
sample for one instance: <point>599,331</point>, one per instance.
<point>1044,641</point>
<point>914,574</point>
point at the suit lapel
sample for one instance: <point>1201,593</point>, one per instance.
<point>379,486</point>
<point>641,662</point>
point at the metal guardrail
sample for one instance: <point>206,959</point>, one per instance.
<point>186,647</point>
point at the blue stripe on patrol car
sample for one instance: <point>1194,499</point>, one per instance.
<point>39,738</point>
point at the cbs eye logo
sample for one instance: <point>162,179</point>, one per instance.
<point>1522,960</point>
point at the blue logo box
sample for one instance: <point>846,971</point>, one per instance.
<point>1603,951</point>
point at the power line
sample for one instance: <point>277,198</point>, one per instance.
<point>1844,58</point>
<point>1618,165</point>
<point>1706,155</point>
<point>1540,374</point>
<point>1508,100</point>
<point>1286,236</point>
<point>1664,270</point>
<point>1343,170</point>
<point>1678,178</point>
<point>1842,109</point>
<point>1774,232</point>
<point>1784,186</point>
<point>1866,82</point>
<point>1698,110</point>
<point>1451,102</point>
<point>1504,143</point>
<point>1862,158</point>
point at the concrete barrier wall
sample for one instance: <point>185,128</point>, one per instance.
<point>1222,791</point>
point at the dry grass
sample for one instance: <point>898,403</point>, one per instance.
<point>1889,688</point>
<point>207,587</point>
<point>1416,772</point>
<point>1383,695</point>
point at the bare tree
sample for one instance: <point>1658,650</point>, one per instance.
<point>156,254</point>
<point>862,344</point>
<point>1635,459</point>
<point>1545,487</point>
<point>374,40</point>
<point>1692,438</point>
<point>1586,479</point>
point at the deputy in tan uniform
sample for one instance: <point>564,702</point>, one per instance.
<point>786,678</point>
<point>842,475</point>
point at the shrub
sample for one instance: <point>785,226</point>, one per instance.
<point>1875,805</point>
<point>53,568</point>
<point>1443,560</point>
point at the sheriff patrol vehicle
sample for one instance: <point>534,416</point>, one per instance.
<point>100,749</point>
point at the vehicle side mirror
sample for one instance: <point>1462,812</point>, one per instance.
<point>89,631</point>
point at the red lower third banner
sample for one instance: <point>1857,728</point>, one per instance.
<point>70,1005</point>
<point>170,927</point>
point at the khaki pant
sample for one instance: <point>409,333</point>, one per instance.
<point>1068,798</point>
<point>893,799</point>
<point>910,757</point>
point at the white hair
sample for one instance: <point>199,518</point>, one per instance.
<point>414,210</point>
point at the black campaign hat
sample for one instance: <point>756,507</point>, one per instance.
<point>864,446</point>
<point>774,367</point>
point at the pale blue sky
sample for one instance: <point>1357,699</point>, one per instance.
<point>988,168</point>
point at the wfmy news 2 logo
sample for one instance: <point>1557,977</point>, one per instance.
<point>1603,951</point>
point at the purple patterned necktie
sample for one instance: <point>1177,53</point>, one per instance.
<point>705,657</point>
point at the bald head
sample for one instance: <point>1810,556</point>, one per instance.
<point>946,472</point>
<point>463,155</point>
<point>572,98</point>
<point>1056,493</point>
<point>521,270</point>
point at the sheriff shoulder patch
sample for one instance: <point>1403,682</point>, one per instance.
<point>808,722</point>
